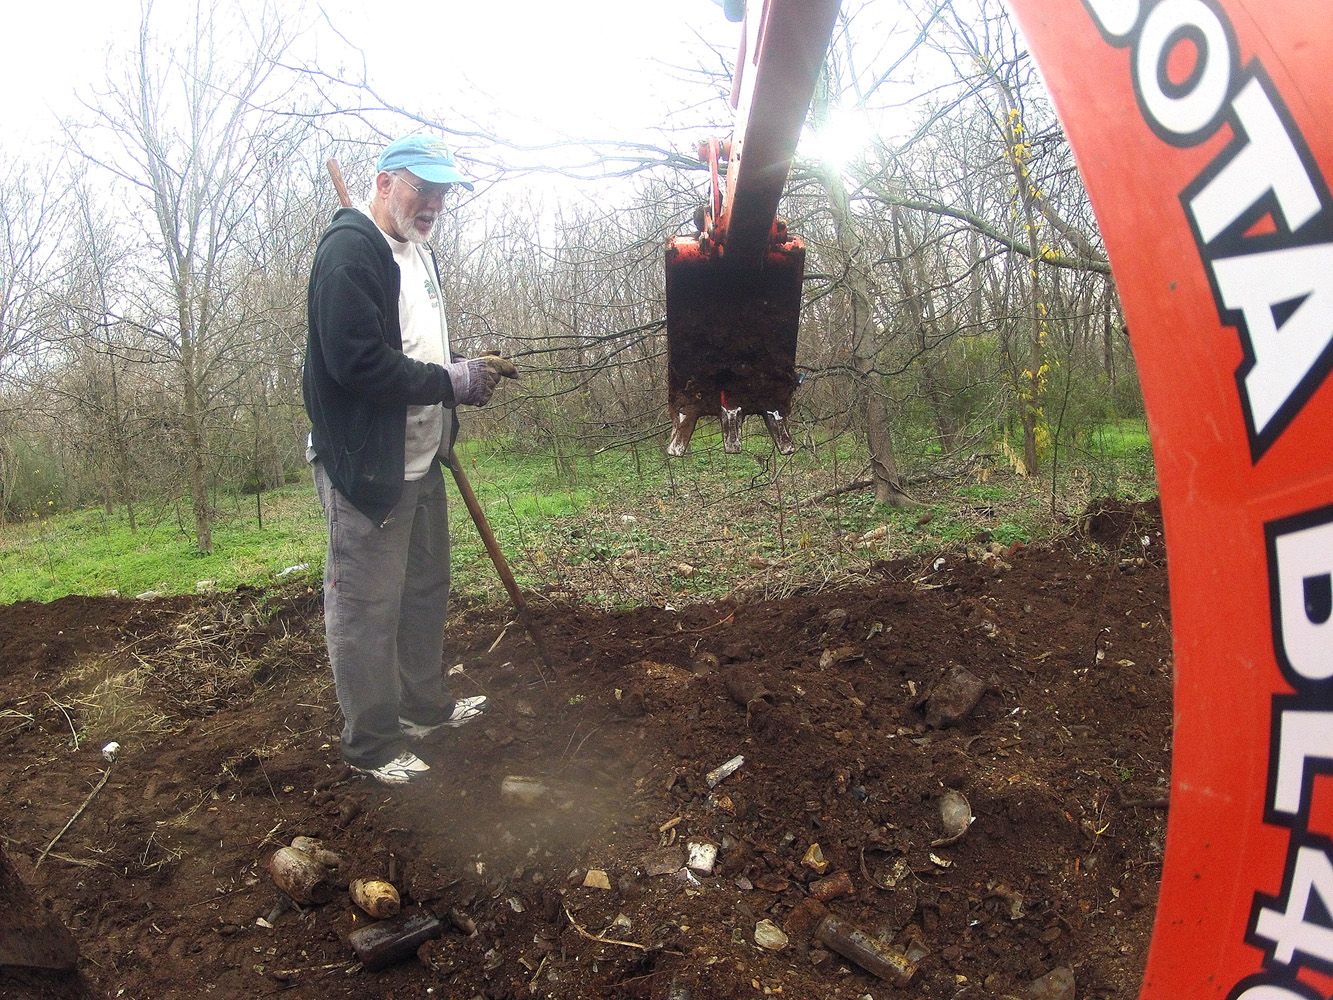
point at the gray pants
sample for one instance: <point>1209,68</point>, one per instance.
<point>386,597</point>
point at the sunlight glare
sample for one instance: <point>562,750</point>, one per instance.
<point>840,140</point>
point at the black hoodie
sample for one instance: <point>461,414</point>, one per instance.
<point>357,382</point>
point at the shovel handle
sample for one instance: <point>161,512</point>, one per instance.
<point>497,557</point>
<point>339,185</point>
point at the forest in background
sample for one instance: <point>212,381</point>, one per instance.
<point>958,306</point>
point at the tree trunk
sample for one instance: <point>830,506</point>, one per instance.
<point>1108,348</point>
<point>121,450</point>
<point>6,486</point>
<point>194,435</point>
<point>866,347</point>
<point>883,463</point>
<point>917,299</point>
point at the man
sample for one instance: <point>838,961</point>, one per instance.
<point>380,387</point>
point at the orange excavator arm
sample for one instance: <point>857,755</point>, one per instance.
<point>734,287</point>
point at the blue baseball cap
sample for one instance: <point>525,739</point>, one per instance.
<point>426,156</point>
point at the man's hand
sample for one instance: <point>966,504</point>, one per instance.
<point>500,365</point>
<point>475,380</point>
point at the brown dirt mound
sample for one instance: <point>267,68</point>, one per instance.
<point>1111,522</point>
<point>839,701</point>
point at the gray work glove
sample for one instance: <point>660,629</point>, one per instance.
<point>475,379</point>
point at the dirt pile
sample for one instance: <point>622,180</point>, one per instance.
<point>966,759</point>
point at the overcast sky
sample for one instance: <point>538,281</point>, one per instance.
<point>590,68</point>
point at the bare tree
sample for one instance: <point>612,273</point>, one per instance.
<point>989,44</point>
<point>100,351</point>
<point>188,132</point>
<point>857,315</point>
<point>33,212</point>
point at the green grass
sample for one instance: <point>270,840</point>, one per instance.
<point>606,528</point>
<point>1123,438</point>
<point>88,552</point>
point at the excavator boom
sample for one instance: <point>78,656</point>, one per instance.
<point>734,287</point>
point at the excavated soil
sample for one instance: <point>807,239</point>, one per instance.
<point>850,707</point>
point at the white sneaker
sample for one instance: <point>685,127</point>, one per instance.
<point>398,771</point>
<point>465,710</point>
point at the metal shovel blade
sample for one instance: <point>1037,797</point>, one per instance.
<point>731,339</point>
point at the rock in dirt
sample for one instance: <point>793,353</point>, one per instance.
<point>722,803</point>
<point>596,879</point>
<point>832,887</point>
<point>804,918</point>
<point>347,812</point>
<point>630,703</point>
<point>769,936</point>
<point>814,859</point>
<point>1058,984</point>
<point>666,861</point>
<point>702,857</point>
<point>839,655</point>
<point>747,689</point>
<point>954,698</point>
<point>520,790</point>
<point>705,663</point>
<point>723,771</point>
<point>462,922</point>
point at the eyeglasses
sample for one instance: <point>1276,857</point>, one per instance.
<point>429,192</point>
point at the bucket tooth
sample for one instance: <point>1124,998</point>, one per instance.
<point>776,422</point>
<point>682,429</point>
<point>731,418</point>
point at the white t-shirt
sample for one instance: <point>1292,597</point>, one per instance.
<point>425,338</point>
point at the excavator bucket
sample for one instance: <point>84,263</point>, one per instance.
<point>731,339</point>
<point>734,289</point>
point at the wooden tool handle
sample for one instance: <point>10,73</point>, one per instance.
<point>497,557</point>
<point>335,172</point>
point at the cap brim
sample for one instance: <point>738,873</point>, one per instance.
<point>438,173</point>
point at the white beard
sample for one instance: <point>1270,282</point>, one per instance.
<point>407,225</point>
